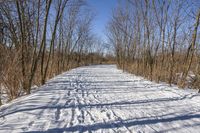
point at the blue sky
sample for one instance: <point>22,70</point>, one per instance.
<point>103,11</point>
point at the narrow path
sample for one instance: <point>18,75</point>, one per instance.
<point>102,98</point>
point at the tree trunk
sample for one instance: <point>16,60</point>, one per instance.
<point>58,16</point>
<point>191,50</point>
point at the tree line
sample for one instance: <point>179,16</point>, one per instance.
<point>42,38</point>
<point>158,39</point>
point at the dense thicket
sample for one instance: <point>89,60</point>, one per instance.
<point>42,38</point>
<point>158,39</point>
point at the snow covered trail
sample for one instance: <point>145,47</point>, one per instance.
<point>102,98</point>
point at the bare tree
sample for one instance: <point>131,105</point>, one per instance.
<point>190,52</point>
<point>157,42</point>
<point>34,37</point>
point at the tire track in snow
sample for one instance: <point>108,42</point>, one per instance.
<point>57,114</point>
<point>75,104</point>
<point>81,98</point>
<point>71,123</point>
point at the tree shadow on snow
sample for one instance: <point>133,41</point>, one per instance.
<point>122,123</point>
<point>121,104</point>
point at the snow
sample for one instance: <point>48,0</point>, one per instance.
<point>5,98</point>
<point>102,98</point>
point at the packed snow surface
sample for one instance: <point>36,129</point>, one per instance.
<point>102,98</point>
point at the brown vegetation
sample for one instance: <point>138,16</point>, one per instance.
<point>43,38</point>
<point>39,39</point>
<point>158,39</point>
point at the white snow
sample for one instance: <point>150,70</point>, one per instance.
<point>102,98</point>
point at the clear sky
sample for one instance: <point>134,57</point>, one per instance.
<point>103,11</point>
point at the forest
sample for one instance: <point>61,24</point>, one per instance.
<point>40,39</point>
<point>156,39</point>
